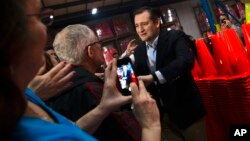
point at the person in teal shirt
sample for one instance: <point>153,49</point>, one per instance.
<point>23,115</point>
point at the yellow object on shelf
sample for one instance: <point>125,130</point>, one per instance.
<point>217,27</point>
<point>247,10</point>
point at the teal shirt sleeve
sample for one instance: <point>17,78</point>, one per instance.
<point>36,129</point>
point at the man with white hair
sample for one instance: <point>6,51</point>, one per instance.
<point>79,45</point>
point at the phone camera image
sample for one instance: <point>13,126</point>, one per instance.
<point>126,75</point>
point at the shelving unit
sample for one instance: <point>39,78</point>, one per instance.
<point>114,32</point>
<point>229,7</point>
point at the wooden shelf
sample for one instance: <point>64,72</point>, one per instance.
<point>117,37</point>
<point>168,24</point>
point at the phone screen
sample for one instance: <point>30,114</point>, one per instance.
<point>125,74</point>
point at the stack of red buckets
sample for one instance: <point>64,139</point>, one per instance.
<point>223,79</point>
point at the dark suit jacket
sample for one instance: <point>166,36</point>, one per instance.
<point>128,75</point>
<point>174,60</point>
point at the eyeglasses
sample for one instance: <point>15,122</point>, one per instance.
<point>46,16</point>
<point>97,42</point>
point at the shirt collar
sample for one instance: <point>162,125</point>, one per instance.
<point>154,43</point>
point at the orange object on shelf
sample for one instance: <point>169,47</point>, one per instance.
<point>205,59</point>
<point>246,35</point>
<point>221,56</point>
<point>238,56</point>
<point>196,71</point>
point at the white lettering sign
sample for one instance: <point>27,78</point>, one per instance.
<point>240,132</point>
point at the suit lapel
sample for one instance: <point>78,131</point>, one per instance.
<point>161,49</point>
<point>142,58</point>
<point>144,52</point>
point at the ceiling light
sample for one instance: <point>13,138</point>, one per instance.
<point>94,11</point>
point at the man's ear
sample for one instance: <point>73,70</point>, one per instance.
<point>90,51</point>
<point>158,22</point>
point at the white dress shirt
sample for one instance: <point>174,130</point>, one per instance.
<point>151,52</point>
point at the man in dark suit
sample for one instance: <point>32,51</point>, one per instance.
<point>163,60</point>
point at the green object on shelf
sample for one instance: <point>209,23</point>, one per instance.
<point>247,10</point>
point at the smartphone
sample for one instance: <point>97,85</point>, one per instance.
<point>126,75</point>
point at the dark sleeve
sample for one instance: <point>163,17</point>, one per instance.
<point>78,101</point>
<point>183,59</point>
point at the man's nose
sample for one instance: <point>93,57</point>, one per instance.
<point>141,29</point>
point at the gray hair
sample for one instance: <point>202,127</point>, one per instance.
<point>70,43</point>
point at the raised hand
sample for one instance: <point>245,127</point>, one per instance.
<point>53,82</point>
<point>146,112</point>
<point>131,47</point>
